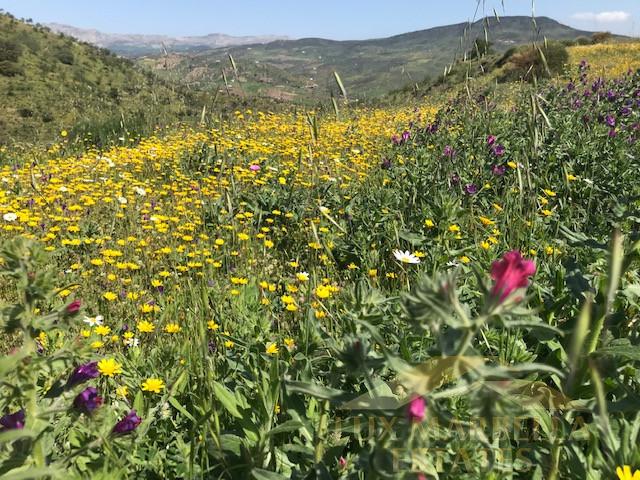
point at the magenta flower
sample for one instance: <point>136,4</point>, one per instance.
<point>74,307</point>
<point>416,409</point>
<point>128,424</point>
<point>491,139</point>
<point>88,400</point>
<point>254,168</point>
<point>511,273</point>
<point>12,421</point>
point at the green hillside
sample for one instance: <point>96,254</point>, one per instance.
<point>50,82</point>
<point>370,68</point>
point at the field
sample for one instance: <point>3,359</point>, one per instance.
<point>428,290</point>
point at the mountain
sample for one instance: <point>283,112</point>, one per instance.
<point>50,82</point>
<point>369,68</point>
<point>138,45</point>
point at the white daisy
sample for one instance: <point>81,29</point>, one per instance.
<point>405,257</point>
<point>10,217</point>
<point>93,321</point>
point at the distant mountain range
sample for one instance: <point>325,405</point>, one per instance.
<point>134,45</point>
<point>303,68</point>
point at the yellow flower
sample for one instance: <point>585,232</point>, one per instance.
<point>322,291</point>
<point>110,296</point>
<point>373,273</point>
<point>122,391</point>
<point>102,330</point>
<point>145,326</point>
<point>97,344</point>
<point>487,221</point>
<point>547,213</point>
<point>302,276</point>
<point>212,325</point>
<point>109,367</point>
<point>454,228</point>
<point>624,473</point>
<point>290,343</point>
<point>429,223</point>
<point>549,193</point>
<point>172,328</point>
<point>465,259</point>
<point>512,165</point>
<point>272,349</point>
<point>229,344</point>
<point>154,385</point>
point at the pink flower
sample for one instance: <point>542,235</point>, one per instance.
<point>511,273</point>
<point>254,168</point>
<point>342,462</point>
<point>415,409</point>
<point>74,307</point>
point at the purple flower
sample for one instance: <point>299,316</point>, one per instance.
<point>498,170</point>
<point>386,164</point>
<point>83,373</point>
<point>395,139</point>
<point>491,139</point>
<point>498,150</point>
<point>415,409</point>
<point>448,151</point>
<point>13,421</point>
<point>613,133</point>
<point>471,188</point>
<point>88,400</point>
<point>431,128</point>
<point>128,424</point>
<point>625,112</point>
<point>611,95</point>
<point>610,120</point>
<point>406,135</point>
<point>455,179</point>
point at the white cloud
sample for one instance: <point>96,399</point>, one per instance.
<point>603,17</point>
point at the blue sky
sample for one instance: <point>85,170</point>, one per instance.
<point>337,19</point>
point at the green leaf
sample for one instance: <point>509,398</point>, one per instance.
<point>227,399</point>
<point>288,426</point>
<point>318,391</point>
<point>260,474</point>
<point>174,402</point>
<point>138,403</point>
<point>629,352</point>
<point>12,435</point>
<point>32,473</point>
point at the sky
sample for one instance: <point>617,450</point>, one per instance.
<point>335,19</point>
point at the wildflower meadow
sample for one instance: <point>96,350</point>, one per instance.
<point>443,289</point>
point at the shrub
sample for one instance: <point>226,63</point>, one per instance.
<point>601,37</point>
<point>10,51</point>
<point>64,55</point>
<point>9,69</point>
<point>536,62</point>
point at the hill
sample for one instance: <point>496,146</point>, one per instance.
<point>369,68</point>
<point>133,45</point>
<point>50,82</point>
